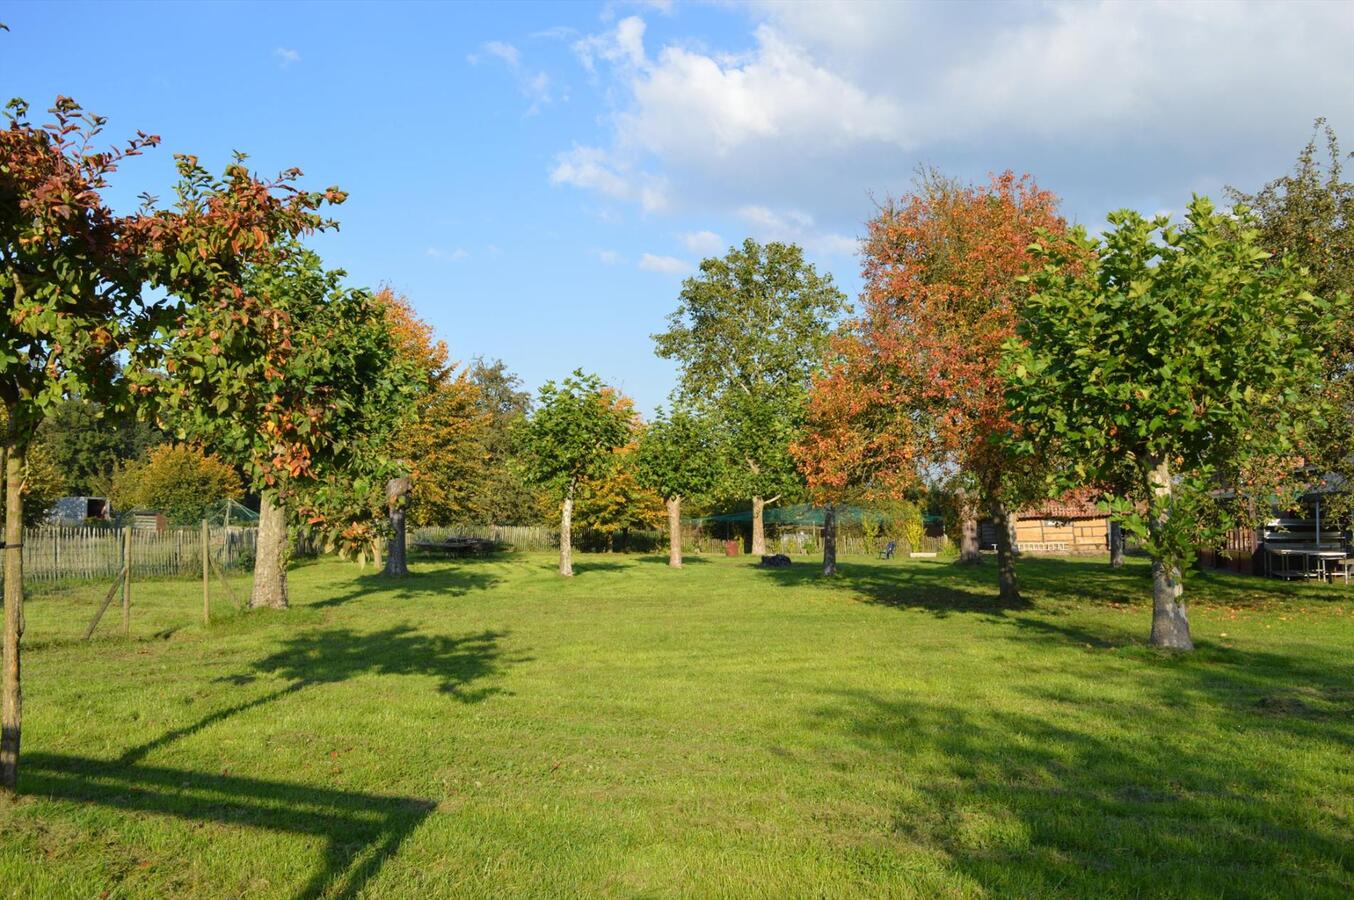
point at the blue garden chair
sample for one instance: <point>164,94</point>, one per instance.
<point>887,552</point>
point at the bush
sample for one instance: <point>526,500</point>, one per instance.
<point>179,480</point>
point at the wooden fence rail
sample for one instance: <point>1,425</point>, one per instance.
<point>54,553</point>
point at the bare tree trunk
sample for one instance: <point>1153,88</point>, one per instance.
<point>758,528</point>
<point>1170,625</point>
<point>270,563</point>
<point>1116,544</point>
<point>969,554</point>
<point>1009,588</point>
<point>11,708</point>
<point>830,540</point>
<point>566,536</point>
<point>674,532</point>
<point>397,563</point>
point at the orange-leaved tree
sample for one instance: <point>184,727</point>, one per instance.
<point>911,389</point>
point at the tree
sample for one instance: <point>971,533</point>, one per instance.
<point>241,376</point>
<point>572,437</point>
<point>502,497</point>
<point>748,333</point>
<point>295,385</point>
<point>44,483</point>
<point>445,446</point>
<point>911,387</point>
<point>1181,354</point>
<point>677,458</point>
<point>71,300</point>
<point>180,480</point>
<point>1309,215</point>
<point>616,502</point>
<point>88,441</point>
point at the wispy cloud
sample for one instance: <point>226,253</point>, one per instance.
<point>608,257</point>
<point>535,85</point>
<point>455,255</point>
<point>666,265</point>
<point>702,242</point>
<point>286,56</point>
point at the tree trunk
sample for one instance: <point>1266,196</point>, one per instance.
<point>397,563</point>
<point>566,536</point>
<point>1116,544</point>
<point>1009,588</point>
<point>968,535</point>
<point>830,540</point>
<point>270,563</point>
<point>1170,625</point>
<point>758,529</point>
<point>674,532</point>
<point>11,706</point>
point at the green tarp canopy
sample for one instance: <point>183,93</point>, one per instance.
<point>801,514</point>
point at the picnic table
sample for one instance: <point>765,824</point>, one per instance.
<point>1304,562</point>
<point>460,546</point>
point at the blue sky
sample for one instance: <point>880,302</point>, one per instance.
<point>538,178</point>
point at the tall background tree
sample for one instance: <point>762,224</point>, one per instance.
<point>677,458</point>
<point>71,297</point>
<point>502,496</point>
<point>911,389</point>
<point>1308,215</point>
<point>749,331</point>
<point>1183,355</point>
<point>446,445</point>
<point>572,437</point>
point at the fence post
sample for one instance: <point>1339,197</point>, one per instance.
<point>206,589</point>
<point>127,582</point>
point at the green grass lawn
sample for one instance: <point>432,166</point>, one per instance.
<point>488,728</point>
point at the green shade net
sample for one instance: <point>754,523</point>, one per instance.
<point>801,514</point>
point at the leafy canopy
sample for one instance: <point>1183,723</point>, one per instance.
<point>68,270</point>
<point>749,331</point>
<point>574,433</point>
<point>677,455</point>
<point>911,386</point>
<point>1179,345</point>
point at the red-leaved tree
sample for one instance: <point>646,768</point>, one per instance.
<point>911,390</point>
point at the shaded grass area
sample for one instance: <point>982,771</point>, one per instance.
<point>484,727</point>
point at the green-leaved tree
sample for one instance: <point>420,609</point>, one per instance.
<point>749,331</point>
<point>1182,355</point>
<point>677,457</point>
<point>572,437</point>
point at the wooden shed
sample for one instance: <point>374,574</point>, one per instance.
<point>1054,527</point>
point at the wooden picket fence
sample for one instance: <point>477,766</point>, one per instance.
<point>55,553</point>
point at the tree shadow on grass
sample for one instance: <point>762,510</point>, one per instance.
<point>943,588</point>
<point>448,580</point>
<point>652,558</point>
<point>1071,795</point>
<point>938,588</point>
<point>327,657</point>
<point>361,831</point>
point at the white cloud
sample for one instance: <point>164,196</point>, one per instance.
<point>536,86</point>
<point>702,242</point>
<point>591,167</point>
<point>608,257</point>
<point>667,265</point>
<point>455,255</point>
<point>830,103</point>
<point>286,56</point>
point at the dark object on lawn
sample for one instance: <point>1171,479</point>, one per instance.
<point>889,548</point>
<point>461,546</point>
<point>779,561</point>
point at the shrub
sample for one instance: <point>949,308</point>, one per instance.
<point>179,480</point>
